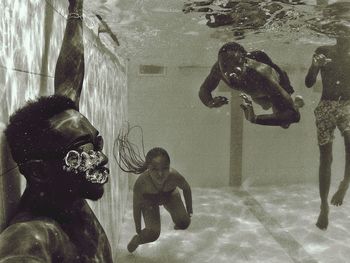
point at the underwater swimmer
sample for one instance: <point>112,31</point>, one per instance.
<point>60,153</point>
<point>156,186</point>
<point>333,110</point>
<point>257,76</point>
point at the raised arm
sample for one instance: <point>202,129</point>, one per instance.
<point>186,189</point>
<point>210,83</point>
<point>312,73</point>
<point>137,195</point>
<point>69,73</point>
<point>318,61</point>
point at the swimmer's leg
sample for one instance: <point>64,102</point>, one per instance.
<point>338,197</point>
<point>151,232</point>
<point>280,99</point>
<point>177,211</point>
<point>324,183</point>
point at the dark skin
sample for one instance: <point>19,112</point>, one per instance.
<point>54,223</point>
<point>159,178</point>
<point>333,62</point>
<point>259,81</point>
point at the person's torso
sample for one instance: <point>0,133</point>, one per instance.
<point>335,74</point>
<point>79,238</point>
<point>154,195</point>
<point>253,82</point>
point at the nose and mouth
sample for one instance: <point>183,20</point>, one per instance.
<point>89,164</point>
<point>98,174</point>
<point>234,74</point>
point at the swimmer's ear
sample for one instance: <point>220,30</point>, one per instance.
<point>35,171</point>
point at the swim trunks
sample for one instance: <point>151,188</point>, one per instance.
<point>329,115</point>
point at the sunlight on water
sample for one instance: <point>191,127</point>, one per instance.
<point>22,51</point>
<point>152,23</point>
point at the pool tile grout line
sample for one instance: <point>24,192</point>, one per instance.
<point>288,243</point>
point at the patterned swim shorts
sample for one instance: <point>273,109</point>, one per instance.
<point>329,115</point>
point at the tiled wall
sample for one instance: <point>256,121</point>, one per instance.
<point>27,66</point>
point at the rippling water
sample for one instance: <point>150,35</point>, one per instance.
<point>138,23</point>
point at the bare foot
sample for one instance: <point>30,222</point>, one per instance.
<point>133,244</point>
<point>322,221</point>
<point>338,197</point>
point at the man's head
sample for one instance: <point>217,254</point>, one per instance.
<point>40,136</point>
<point>232,60</point>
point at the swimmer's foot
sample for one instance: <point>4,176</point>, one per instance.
<point>338,197</point>
<point>134,243</point>
<point>322,221</point>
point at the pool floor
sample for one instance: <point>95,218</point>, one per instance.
<point>258,224</point>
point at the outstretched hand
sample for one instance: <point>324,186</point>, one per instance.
<point>247,107</point>
<point>217,102</point>
<point>319,60</point>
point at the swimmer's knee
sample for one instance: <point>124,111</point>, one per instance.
<point>183,224</point>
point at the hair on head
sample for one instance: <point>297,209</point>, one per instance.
<point>155,152</point>
<point>233,47</point>
<point>128,156</point>
<point>28,132</point>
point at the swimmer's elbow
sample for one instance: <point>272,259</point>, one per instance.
<point>309,83</point>
<point>310,79</point>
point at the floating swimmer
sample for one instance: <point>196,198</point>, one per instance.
<point>257,76</point>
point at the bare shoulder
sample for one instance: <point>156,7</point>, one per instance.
<point>175,175</point>
<point>264,70</point>
<point>38,231</point>
<point>173,171</point>
<point>37,225</point>
<point>215,68</point>
<point>140,181</point>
